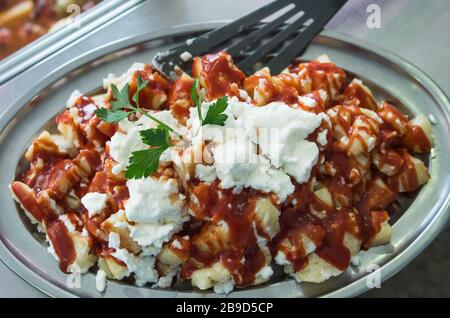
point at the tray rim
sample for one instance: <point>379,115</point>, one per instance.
<point>432,229</point>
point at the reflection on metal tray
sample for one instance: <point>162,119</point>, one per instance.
<point>390,78</point>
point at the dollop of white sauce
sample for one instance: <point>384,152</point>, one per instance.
<point>124,79</point>
<point>322,137</point>
<point>156,211</point>
<point>205,173</point>
<point>186,56</point>
<point>152,200</point>
<point>142,266</point>
<point>224,288</point>
<point>94,202</point>
<point>432,119</point>
<point>259,147</point>
<point>100,280</point>
<point>153,234</point>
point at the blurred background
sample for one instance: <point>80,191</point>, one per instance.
<point>23,21</point>
<point>414,29</point>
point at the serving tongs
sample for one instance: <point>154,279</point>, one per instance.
<point>252,42</point>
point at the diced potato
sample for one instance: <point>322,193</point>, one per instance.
<point>115,224</point>
<point>113,269</point>
<point>267,216</point>
<point>206,278</point>
<point>318,270</point>
<point>84,259</point>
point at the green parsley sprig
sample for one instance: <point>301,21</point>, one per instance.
<point>215,115</point>
<point>145,162</point>
<point>121,107</point>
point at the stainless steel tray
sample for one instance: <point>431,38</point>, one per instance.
<point>22,248</point>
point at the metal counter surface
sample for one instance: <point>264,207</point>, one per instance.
<point>413,29</point>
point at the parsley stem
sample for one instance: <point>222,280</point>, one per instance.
<point>159,122</point>
<point>197,98</point>
<point>199,111</point>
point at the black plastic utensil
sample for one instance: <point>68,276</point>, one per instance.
<point>276,42</point>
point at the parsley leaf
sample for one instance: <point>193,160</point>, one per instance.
<point>215,115</point>
<point>122,101</point>
<point>156,137</point>
<point>121,97</point>
<point>144,162</point>
<point>111,116</point>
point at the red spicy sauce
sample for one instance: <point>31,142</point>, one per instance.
<point>377,197</point>
<point>62,244</point>
<point>56,178</point>
<point>155,90</point>
<point>326,233</point>
<point>333,249</point>
<point>180,98</point>
<point>416,140</point>
<point>356,95</point>
<point>237,210</point>
<point>32,203</point>
<point>218,72</point>
<point>406,177</point>
<point>393,119</point>
<point>326,76</point>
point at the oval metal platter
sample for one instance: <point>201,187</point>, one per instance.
<point>24,251</point>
